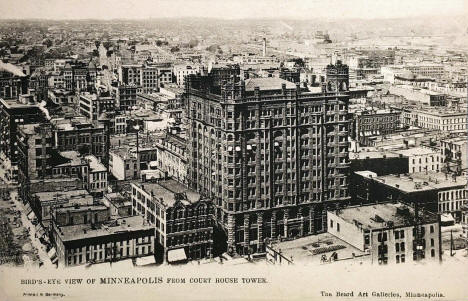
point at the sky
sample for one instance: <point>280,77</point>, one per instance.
<point>228,9</point>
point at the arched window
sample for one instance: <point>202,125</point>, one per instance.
<point>343,86</point>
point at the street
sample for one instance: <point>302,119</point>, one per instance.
<point>32,231</point>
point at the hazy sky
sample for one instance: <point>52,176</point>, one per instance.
<point>229,9</point>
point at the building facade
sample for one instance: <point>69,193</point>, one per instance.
<point>271,155</point>
<point>89,242</point>
<point>12,115</point>
<point>183,221</point>
<point>379,122</point>
<point>392,233</point>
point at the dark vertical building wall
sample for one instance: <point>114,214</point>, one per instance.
<point>13,114</point>
<point>271,155</point>
<point>381,166</point>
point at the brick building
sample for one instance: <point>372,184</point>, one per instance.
<point>94,241</point>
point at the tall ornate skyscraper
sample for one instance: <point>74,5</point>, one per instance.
<point>271,154</point>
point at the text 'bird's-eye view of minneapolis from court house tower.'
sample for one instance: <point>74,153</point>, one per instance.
<point>235,133</point>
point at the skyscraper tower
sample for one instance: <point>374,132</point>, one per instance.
<point>270,154</point>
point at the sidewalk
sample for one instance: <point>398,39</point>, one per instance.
<point>32,232</point>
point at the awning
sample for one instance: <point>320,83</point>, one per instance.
<point>176,255</point>
<point>145,260</point>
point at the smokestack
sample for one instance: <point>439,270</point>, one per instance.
<point>264,46</point>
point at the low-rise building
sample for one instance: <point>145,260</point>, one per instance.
<point>454,152</point>
<point>422,159</point>
<point>418,95</point>
<point>110,241</point>
<point>124,165</point>
<point>171,157</point>
<point>75,214</point>
<point>182,70</point>
<point>442,120</point>
<point>97,176</point>
<point>391,233</point>
<point>119,205</point>
<point>79,134</point>
<point>380,122</point>
<point>436,191</point>
<point>92,105</point>
<point>125,96</point>
<point>44,203</point>
<point>183,221</point>
<point>61,97</point>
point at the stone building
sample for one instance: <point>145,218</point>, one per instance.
<point>269,153</point>
<point>183,221</point>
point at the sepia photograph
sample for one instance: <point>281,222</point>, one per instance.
<point>233,150</point>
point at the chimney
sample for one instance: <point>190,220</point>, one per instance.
<point>264,46</point>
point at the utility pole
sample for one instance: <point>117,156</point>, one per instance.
<point>419,246</point>
<point>451,243</point>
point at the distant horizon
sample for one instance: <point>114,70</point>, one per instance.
<point>108,10</point>
<point>228,19</point>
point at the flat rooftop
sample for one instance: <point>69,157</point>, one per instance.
<point>80,208</point>
<point>378,216</point>
<point>117,199</point>
<point>165,190</point>
<point>80,194</point>
<point>416,151</point>
<point>55,180</point>
<point>457,140</point>
<point>116,226</point>
<point>360,155</point>
<point>74,124</point>
<point>310,249</point>
<point>419,181</point>
<point>14,104</point>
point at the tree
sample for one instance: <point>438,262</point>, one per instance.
<point>175,49</point>
<point>97,43</point>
